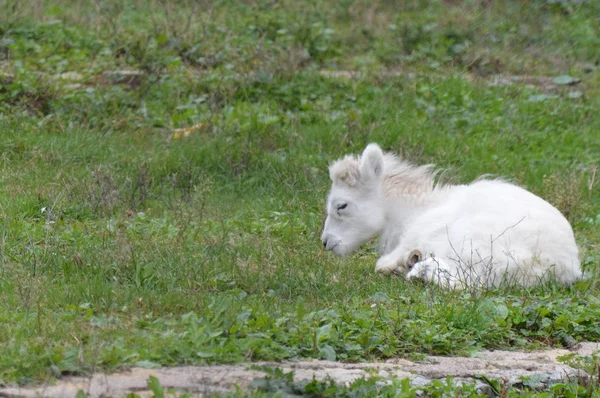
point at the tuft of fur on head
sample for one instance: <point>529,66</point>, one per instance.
<point>400,177</point>
<point>345,170</point>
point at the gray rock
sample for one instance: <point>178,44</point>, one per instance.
<point>536,369</point>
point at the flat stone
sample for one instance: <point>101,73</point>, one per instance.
<point>511,366</point>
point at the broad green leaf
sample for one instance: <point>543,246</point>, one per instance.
<point>565,80</point>
<point>146,364</point>
<point>327,352</point>
<point>324,332</point>
<point>205,354</point>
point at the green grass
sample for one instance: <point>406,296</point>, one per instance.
<point>125,243</point>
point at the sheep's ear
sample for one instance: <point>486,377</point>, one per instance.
<point>371,162</point>
<point>414,257</point>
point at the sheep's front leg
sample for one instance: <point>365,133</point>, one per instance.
<point>391,262</point>
<point>397,261</point>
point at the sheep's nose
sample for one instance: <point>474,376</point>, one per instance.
<point>325,243</point>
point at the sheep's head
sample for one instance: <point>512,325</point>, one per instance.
<point>355,211</point>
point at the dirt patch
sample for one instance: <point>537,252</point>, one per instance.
<point>353,74</point>
<point>543,83</point>
<point>512,367</point>
<point>546,84</point>
<point>6,79</point>
<point>130,78</point>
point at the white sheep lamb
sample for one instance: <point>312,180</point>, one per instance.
<point>486,233</point>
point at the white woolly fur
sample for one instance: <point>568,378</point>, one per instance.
<point>486,233</point>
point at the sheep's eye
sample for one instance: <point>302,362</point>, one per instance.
<point>342,207</point>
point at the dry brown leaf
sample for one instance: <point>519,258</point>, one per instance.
<point>186,131</point>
